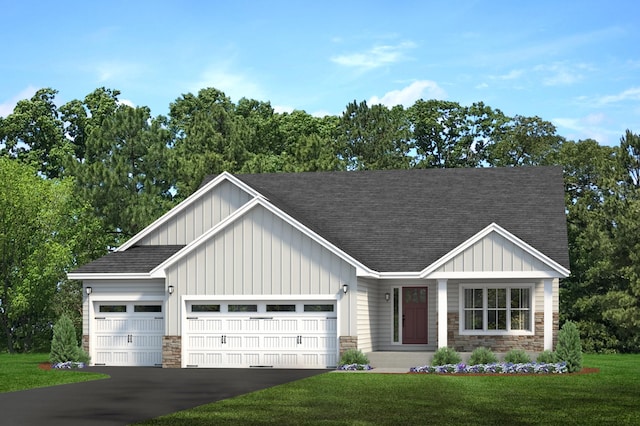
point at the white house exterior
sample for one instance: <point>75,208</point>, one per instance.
<point>288,270</point>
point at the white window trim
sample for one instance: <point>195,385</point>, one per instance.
<point>464,332</point>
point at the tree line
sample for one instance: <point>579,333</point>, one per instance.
<point>82,178</point>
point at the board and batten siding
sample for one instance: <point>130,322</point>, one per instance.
<point>368,314</point>
<point>493,253</point>
<point>200,216</point>
<point>258,254</point>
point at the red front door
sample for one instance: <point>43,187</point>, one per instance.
<point>414,315</point>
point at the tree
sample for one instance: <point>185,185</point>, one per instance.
<point>125,174</point>
<point>375,138</point>
<point>569,349</point>
<point>34,134</point>
<point>524,141</point>
<point>34,253</point>
<point>64,345</point>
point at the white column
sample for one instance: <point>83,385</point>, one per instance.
<point>442,313</point>
<point>548,314</point>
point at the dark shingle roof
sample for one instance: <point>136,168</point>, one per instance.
<point>404,220</point>
<point>137,259</point>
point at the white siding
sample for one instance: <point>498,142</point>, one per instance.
<point>204,213</point>
<point>369,308</point>
<point>493,253</point>
<point>259,254</point>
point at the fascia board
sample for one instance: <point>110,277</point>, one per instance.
<point>224,176</point>
<point>562,272</point>
<point>109,276</point>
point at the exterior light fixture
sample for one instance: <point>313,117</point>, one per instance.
<point>387,296</point>
<point>88,290</point>
<point>170,289</point>
<point>345,288</point>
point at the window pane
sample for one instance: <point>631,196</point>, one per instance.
<point>524,298</point>
<point>477,298</point>
<point>318,308</point>
<point>205,308</point>
<point>147,308</point>
<point>243,308</point>
<point>491,298</point>
<point>520,320</point>
<point>473,298</point>
<point>113,308</point>
<point>281,308</point>
<point>396,314</point>
<point>501,297</point>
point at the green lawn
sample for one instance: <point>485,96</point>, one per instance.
<point>611,396</point>
<point>20,371</point>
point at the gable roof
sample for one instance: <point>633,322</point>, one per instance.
<point>404,220</point>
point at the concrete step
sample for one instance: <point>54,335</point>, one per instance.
<point>399,359</point>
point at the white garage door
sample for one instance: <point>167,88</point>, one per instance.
<point>128,333</point>
<point>286,334</point>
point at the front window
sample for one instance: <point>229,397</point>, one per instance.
<point>497,309</point>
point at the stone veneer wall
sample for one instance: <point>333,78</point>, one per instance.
<point>85,343</point>
<point>348,342</point>
<point>171,351</point>
<point>533,343</point>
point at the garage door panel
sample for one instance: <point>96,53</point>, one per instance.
<point>280,339</point>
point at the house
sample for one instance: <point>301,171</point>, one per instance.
<point>288,270</point>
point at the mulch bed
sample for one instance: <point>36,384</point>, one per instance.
<point>44,366</point>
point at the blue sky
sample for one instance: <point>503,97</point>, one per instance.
<point>574,63</point>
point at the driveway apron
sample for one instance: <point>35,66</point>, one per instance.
<point>133,394</point>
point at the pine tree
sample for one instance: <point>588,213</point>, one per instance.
<point>64,346</point>
<point>569,348</point>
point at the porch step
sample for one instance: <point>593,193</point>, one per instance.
<point>399,359</point>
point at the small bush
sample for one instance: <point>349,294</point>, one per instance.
<point>482,355</point>
<point>354,356</point>
<point>444,356</point>
<point>546,357</point>
<point>64,346</point>
<point>517,356</point>
<point>569,348</point>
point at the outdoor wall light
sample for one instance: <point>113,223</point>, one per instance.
<point>345,288</point>
<point>88,290</point>
<point>170,289</point>
<point>387,296</point>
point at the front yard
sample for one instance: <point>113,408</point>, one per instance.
<point>610,396</point>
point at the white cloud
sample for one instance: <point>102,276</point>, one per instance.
<point>110,71</point>
<point>281,109</point>
<point>422,89</point>
<point>482,86</point>
<point>375,57</point>
<point>591,126</point>
<point>7,107</point>
<point>561,74</point>
<point>511,75</point>
<point>126,102</point>
<point>234,84</point>
<point>632,94</point>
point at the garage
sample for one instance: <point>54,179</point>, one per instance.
<point>260,334</point>
<point>128,333</point>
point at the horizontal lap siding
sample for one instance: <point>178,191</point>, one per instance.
<point>259,254</point>
<point>203,214</point>
<point>368,315</point>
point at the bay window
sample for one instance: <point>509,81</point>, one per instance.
<point>488,309</point>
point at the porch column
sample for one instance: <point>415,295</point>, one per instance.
<point>442,313</point>
<point>548,314</point>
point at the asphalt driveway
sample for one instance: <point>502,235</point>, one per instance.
<point>134,394</point>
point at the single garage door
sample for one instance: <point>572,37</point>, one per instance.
<point>300,334</point>
<point>128,333</point>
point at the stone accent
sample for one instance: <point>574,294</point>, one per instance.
<point>85,343</point>
<point>533,343</point>
<point>171,351</point>
<point>348,342</point>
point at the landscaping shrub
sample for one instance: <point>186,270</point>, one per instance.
<point>64,346</point>
<point>354,356</point>
<point>569,348</point>
<point>482,355</point>
<point>517,356</point>
<point>444,356</point>
<point>546,357</point>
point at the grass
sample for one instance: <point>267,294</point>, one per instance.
<point>21,371</point>
<point>608,397</point>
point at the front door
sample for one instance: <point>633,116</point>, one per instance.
<point>414,315</point>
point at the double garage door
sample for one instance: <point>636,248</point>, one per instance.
<point>128,333</point>
<point>278,334</point>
